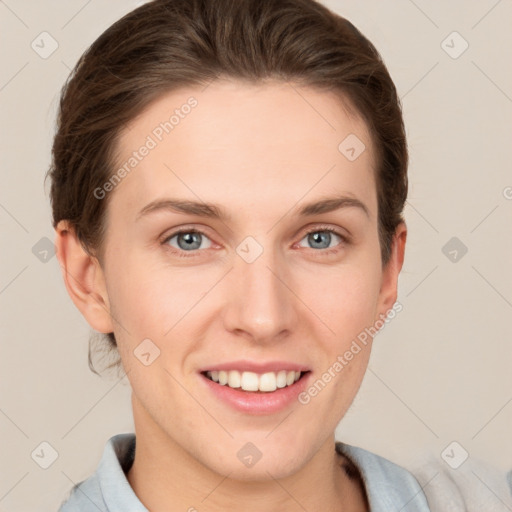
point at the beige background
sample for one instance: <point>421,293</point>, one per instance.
<point>439,373</point>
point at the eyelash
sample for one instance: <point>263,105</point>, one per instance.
<point>317,229</point>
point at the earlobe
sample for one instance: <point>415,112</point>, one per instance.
<point>84,278</point>
<point>390,273</point>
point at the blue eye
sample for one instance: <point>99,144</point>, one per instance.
<point>322,238</point>
<point>187,241</point>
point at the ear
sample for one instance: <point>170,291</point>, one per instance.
<point>84,278</point>
<point>389,284</point>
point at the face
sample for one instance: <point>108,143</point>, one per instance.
<point>265,284</point>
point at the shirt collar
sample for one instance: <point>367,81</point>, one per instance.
<point>115,488</point>
<point>388,486</point>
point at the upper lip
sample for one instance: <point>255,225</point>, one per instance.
<point>257,367</point>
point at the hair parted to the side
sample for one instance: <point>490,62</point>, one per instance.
<point>168,44</point>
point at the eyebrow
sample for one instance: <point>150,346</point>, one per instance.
<point>213,211</point>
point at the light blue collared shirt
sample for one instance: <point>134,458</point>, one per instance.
<point>389,487</point>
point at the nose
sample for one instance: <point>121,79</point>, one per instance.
<point>260,302</point>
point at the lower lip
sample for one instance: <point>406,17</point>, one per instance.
<point>258,403</point>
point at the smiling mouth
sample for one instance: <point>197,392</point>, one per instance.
<point>252,382</point>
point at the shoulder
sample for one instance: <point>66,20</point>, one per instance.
<point>388,486</point>
<point>470,486</point>
<point>107,489</point>
<point>432,485</point>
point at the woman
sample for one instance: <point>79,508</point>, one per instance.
<point>228,180</point>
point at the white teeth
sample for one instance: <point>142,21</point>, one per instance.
<point>267,382</point>
<point>251,381</point>
<point>223,377</point>
<point>234,379</point>
<point>281,379</point>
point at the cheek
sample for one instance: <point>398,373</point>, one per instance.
<point>149,298</point>
<point>345,298</point>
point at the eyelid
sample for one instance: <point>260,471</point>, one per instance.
<point>342,233</point>
<point>185,229</point>
<point>164,239</point>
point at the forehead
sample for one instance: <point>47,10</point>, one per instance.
<point>246,144</point>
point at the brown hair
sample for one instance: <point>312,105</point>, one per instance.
<point>167,44</point>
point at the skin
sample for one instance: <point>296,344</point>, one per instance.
<point>260,152</point>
